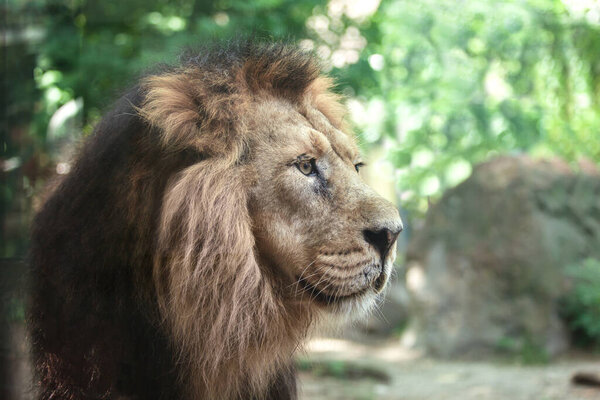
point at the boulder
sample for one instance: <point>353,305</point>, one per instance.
<point>486,270</point>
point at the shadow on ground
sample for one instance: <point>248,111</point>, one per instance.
<point>342,369</point>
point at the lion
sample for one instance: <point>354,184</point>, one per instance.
<point>215,217</point>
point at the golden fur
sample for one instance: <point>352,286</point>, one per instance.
<point>229,252</point>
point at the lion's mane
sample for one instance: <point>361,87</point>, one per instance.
<point>145,279</point>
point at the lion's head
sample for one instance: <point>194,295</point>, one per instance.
<point>274,225</point>
<point>327,235</point>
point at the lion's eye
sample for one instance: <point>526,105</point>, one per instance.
<point>359,166</point>
<point>307,167</point>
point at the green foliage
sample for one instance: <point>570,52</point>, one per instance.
<point>439,86</point>
<point>581,307</point>
<point>94,48</point>
<point>400,329</point>
<point>342,370</point>
<point>15,310</point>
<point>458,85</point>
<point>523,350</point>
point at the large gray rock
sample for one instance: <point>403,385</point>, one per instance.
<point>486,271</point>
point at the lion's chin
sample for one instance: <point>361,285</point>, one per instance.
<point>350,309</point>
<point>347,307</point>
<point>328,300</point>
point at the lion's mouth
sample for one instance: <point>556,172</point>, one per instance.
<point>322,297</point>
<point>379,283</point>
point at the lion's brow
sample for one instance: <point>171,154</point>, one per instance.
<point>331,134</point>
<point>319,141</point>
<point>322,141</point>
<point>344,152</point>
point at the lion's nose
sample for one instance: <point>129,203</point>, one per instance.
<point>382,239</point>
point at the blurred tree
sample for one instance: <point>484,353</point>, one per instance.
<point>440,85</point>
<point>93,49</point>
<point>444,85</point>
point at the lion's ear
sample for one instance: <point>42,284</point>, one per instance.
<point>169,105</point>
<point>189,110</point>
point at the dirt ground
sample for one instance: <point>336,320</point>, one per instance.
<point>361,369</point>
<point>390,371</point>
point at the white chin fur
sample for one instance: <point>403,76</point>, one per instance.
<point>356,309</point>
<point>352,309</point>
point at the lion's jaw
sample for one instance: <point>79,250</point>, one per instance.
<point>322,229</point>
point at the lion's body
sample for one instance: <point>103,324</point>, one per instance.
<point>153,271</point>
<point>90,326</point>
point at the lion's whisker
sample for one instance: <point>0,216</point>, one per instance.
<point>307,289</point>
<point>307,267</point>
<point>316,286</point>
<point>377,309</point>
<point>297,282</point>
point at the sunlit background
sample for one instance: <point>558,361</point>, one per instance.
<point>434,89</point>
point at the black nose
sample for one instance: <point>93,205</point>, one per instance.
<point>381,239</point>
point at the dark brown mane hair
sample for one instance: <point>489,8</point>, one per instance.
<point>145,282</point>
